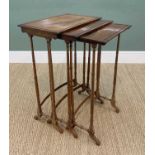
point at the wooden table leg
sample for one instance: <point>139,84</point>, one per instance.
<point>91,127</point>
<point>113,101</point>
<point>75,64</point>
<point>84,67</point>
<point>71,119</point>
<point>84,63</point>
<point>97,93</point>
<point>53,119</point>
<point>88,67</point>
<point>39,111</point>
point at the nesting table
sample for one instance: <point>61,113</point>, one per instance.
<point>71,28</point>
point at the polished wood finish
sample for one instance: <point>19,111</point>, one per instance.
<point>91,126</point>
<point>88,68</point>
<point>97,92</point>
<point>72,28</point>
<point>84,62</point>
<point>53,119</point>
<point>89,28</point>
<point>113,101</point>
<point>58,24</point>
<point>75,64</point>
<point>71,116</point>
<point>103,35</point>
<point>39,111</point>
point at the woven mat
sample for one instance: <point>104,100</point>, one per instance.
<point>120,134</point>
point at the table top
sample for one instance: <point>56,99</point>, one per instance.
<point>105,34</point>
<point>89,28</point>
<point>75,27</point>
<point>61,23</point>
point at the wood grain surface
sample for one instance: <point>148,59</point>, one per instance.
<point>58,24</point>
<point>86,29</point>
<point>105,34</point>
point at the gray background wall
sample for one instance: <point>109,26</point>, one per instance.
<point>121,11</point>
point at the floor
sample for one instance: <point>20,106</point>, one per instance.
<point>120,134</point>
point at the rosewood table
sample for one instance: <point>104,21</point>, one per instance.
<point>72,28</point>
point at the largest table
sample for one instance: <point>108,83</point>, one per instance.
<point>72,28</point>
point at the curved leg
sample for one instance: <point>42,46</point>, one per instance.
<point>91,127</point>
<point>53,118</point>
<point>113,102</point>
<point>39,110</point>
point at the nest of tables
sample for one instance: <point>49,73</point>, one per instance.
<point>71,28</point>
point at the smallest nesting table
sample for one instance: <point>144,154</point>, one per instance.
<point>71,28</point>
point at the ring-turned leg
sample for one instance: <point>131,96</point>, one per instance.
<point>53,119</point>
<point>113,101</point>
<point>91,127</point>
<point>71,119</point>
<point>39,111</point>
<point>97,93</point>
